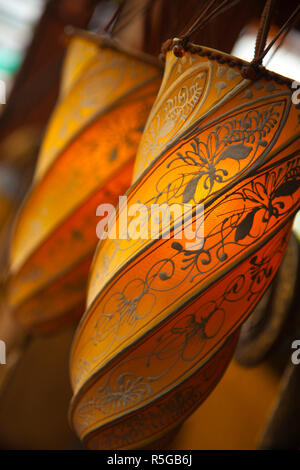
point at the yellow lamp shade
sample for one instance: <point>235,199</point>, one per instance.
<point>163,316</point>
<point>86,159</point>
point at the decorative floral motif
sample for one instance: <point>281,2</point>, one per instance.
<point>268,197</point>
<point>201,166</point>
<point>179,107</point>
<point>169,409</point>
<point>262,200</point>
<point>259,270</point>
<point>128,390</point>
<point>234,141</point>
<point>188,339</point>
<point>259,201</point>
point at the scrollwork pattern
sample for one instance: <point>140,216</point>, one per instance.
<point>174,112</point>
<point>197,169</point>
<point>129,389</point>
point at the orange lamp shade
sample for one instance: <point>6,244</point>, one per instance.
<point>9,193</point>
<point>86,159</point>
<point>163,318</point>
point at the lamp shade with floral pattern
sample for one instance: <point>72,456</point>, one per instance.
<point>86,159</point>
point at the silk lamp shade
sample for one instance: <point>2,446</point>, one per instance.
<point>86,159</point>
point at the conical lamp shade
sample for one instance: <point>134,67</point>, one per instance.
<point>163,314</point>
<point>86,159</point>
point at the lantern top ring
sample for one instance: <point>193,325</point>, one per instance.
<point>249,70</point>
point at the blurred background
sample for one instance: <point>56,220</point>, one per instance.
<point>17,22</point>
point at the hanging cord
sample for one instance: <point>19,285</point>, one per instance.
<point>107,31</point>
<point>120,20</point>
<point>110,25</point>
<point>122,17</point>
<point>255,68</point>
<point>206,14</point>
<point>263,31</point>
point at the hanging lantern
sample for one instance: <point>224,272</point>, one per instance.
<point>163,313</point>
<point>86,159</point>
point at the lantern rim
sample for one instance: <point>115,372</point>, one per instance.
<point>229,59</point>
<point>107,41</point>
